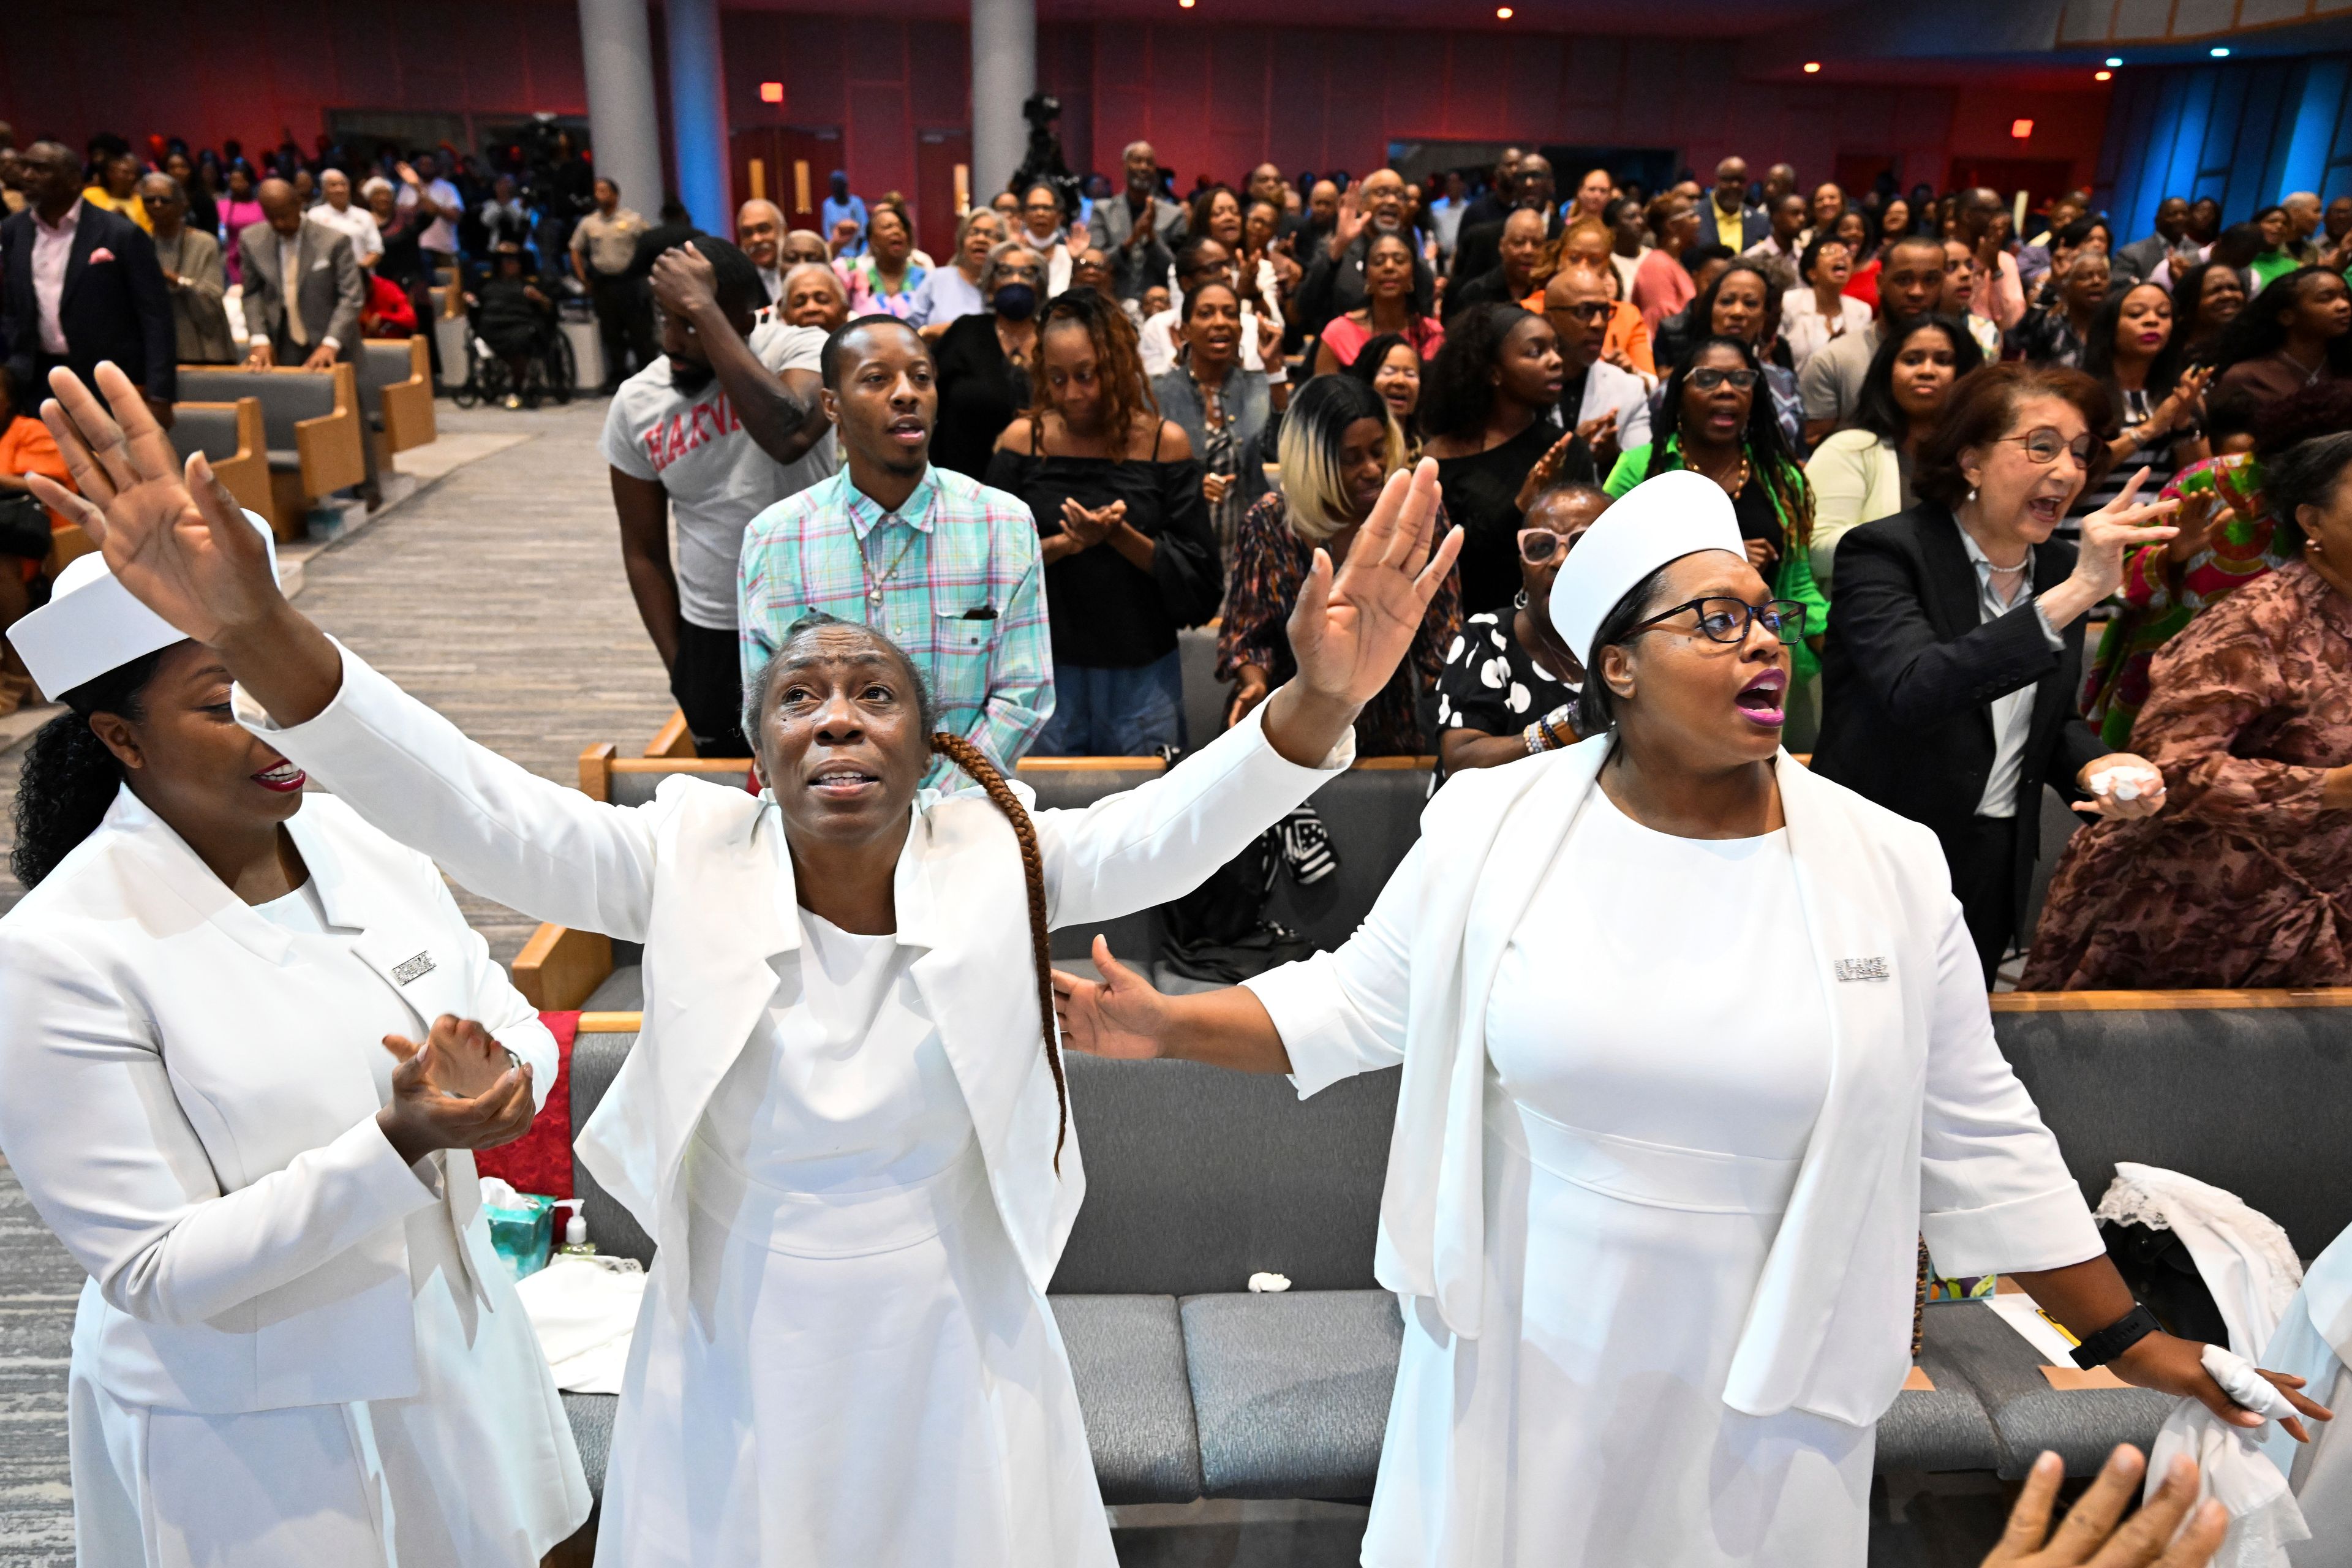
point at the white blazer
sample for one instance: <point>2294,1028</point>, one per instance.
<point>1925,1127</point>
<point>238,1210</point>
<point>696,876</point>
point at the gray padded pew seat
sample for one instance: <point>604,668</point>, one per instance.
<point>2139,1077</point>
<point>286,400</point>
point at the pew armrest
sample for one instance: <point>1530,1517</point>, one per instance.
<point>559,968</point>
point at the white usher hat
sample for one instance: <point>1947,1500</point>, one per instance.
<point>1677,513</point>
<point>92,625</point>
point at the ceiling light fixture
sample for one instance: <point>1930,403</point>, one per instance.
<point>2112,60</point>
<point>2102,76</point>
<point>1503,13</point>
<point>2219,52</point>
<point>1813,68</point>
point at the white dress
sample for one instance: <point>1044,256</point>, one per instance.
<point>477,1470</point>
<point>1657,1055</point>
<point>863,1376</point>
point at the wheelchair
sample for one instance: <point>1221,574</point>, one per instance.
<point>549,373</point>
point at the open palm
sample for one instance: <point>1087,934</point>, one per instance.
<point>172,533</point>
<point>1118,1017</point>
<point>1350,633</point>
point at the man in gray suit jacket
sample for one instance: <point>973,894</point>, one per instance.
<point>303,290</point>
<point>1138,229</point>
<point>191,261</point>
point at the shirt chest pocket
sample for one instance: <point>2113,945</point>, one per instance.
<point>964,629</point>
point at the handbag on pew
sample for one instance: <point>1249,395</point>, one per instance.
<point>25,528</point>
<point>1218,932</point>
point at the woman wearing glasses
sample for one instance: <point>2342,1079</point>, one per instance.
<point>1510,686</point>
<point>1655,1228</point>
<point>1719,421</point>
<point>1956,644</point>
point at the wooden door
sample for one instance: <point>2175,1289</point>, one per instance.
<point>942,190</point>
<point>787,164</point>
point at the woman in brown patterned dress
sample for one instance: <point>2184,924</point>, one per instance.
<point>1339,446</point>
<point>2245,879</point>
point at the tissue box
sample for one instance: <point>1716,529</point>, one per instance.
<point>1969,1288</point>
<point>523,1234</point>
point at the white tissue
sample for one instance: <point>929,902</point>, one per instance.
<point>2231,1467</point>
<point>498,1194</point>
<point>1263,1284</point>
<point>2127,784</point>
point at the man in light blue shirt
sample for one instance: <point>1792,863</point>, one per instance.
<point>839,204</point>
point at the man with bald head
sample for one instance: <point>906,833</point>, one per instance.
<point>1728,220</point>
<point>1605,403</point>
<point>1481,247</point>
<point>760,231</point>
<point>81,285</point>
<point>1334,282</point>
<point>1779,180</point>
<point>303,292</point>
<point>1137,230</point>
<point>1512,278</point>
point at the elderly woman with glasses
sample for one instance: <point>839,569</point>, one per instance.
<point>1510,686</point>
<point>1693,1048</point>
<point>1954,647</point>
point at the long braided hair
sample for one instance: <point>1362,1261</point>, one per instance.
<point>974,763</point>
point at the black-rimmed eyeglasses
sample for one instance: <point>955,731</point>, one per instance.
<point>1726,619</point>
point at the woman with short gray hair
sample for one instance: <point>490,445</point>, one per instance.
<point>948,293</point>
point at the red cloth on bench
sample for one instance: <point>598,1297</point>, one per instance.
<point>540,1160</point>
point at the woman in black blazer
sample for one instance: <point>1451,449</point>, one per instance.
<point>1955,645</point>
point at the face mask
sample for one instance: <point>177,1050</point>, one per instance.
<point>1016,302</point>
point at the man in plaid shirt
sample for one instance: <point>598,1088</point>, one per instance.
<point>939,564</point>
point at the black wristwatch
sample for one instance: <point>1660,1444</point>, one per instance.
<point>2117,1337</point>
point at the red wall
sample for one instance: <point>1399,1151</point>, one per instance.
<point>1215,97</point>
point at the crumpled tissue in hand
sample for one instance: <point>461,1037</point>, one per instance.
<point>2263,1515</point>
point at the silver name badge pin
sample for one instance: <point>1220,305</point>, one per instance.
<point>1863,969</point>
<point>412,968</point>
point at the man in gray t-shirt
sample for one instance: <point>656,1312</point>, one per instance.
<point>1910,283</point>
<point>725,425</point>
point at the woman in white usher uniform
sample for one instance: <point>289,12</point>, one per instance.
<point>1694,1043</point>
<point>296,1346</point>
<point>842,1123</point>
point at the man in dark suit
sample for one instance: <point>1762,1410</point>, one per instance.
<point>1334,281</point>
<point>1727,219</point>
<point>1479,246</point>
<point>1138,229</point>
<point>80,284</point>
<point>303,292</point>
<point>1949,675</point>
<point>2138,261</point>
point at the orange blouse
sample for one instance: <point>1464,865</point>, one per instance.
<point>25,448</point>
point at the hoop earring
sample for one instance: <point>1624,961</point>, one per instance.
<point>1519,600</point>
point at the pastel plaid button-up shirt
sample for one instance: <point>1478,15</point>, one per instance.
<point>959,589</point>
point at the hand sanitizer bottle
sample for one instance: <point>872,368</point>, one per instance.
<point>575,1231</point>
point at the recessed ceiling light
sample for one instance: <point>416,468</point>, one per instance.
<point>2112,60</point>
<point>2102,76</point>
<point>2219,52</point>
<point>1813,68</point>
<point>1503,13</point>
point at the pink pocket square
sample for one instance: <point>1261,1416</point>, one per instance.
<point>101,254</point>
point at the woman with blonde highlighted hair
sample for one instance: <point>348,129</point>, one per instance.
<point>1339,443</point>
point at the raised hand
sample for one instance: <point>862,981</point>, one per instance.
<point>1120,1016</point>
<point>2195,522</point>
<point>1547,467</point>
<point>456,1090</point>
<point>171,533</point>
<point>2116,527</point>
<point>2087,1536</point>
<point>1349,631</point>
<point>1350,222</point>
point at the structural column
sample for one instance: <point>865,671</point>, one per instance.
<point>625,131</point>
<point>1004,75</point>
<point>697,110</point>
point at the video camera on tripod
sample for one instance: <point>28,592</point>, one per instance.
<point>1043,163</point>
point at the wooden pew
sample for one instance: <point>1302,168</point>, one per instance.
<point>315,430</point>
<point>233,440</point>
<point>395,382</point>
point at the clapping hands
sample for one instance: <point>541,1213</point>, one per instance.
<point>1089,526</point>
<point>459,1089</point>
